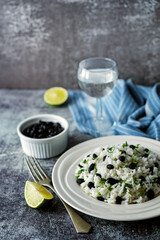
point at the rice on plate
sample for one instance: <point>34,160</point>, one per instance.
<point>120,174</point>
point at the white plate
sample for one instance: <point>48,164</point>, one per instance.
<point>65,184</point>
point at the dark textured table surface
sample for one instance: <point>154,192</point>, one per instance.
<point>17,220</point>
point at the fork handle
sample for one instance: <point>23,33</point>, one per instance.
<point>80,224</point>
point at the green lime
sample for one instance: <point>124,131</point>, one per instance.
<point>55,96</point>
<point>36,195</point>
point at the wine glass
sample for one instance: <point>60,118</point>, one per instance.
<point>97,77</point>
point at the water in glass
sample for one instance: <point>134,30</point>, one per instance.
<point>97,82</point>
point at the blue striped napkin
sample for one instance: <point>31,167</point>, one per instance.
<point>135,109</point>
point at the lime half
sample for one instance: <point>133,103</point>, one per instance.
<point>36,195</point>
<point>55,96</point>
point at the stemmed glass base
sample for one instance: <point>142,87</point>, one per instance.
<point>100,125</point>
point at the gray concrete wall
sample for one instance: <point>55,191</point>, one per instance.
<point>42,41</point>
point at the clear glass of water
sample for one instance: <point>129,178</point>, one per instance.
<point>97,77</point>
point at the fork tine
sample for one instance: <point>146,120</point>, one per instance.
<point>39,168</point>
<point>31,169</point>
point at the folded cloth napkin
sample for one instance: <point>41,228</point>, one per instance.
<point>131,109</point>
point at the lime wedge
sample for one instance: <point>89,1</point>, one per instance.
<point>36,195</point>
<point>55,96</point>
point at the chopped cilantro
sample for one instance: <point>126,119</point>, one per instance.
<point>115,159</point>
<point>135,180</point>
<point>155,180</point>
<point>98,193</point>
<point>128,185</point>
<point>95,167</point>
<point>142,193</point>
<point>80,171</point>
<point>125,144</point>
<point>129,154</point>
<point>109,188</point>
<point>122,151</point>
<point>148,152</point>
<point>111,149</point>
<point>121,181</point>
<point>124,190</point>
<point>102,181</point>
<point>135,162</point>
<point>125,166</point>
<point>84,161</point>
<point>137,150</point>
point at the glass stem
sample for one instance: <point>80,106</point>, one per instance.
<point>99,109</point>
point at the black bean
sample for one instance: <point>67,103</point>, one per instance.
<point>123,152</point>
<point>41,130</point>
<point>34,135</point>
<point>39,136</point>
<point>158,180</point>
<point>145,155</point>
<point>98,175</point>
<point>95,155</point>
<point>50,135</point>
<point>104,158</point>
<point>122,158</point>
<point>31,133</point>
<point>50,130</point>
<point>132,166</point>
<point>80,165</point>
<point>100,198</point>
<point>146,150</point>
<point>112,181</point>
<point>142,178</point>
<point>156,164</point>
<point>50,124</point>
<point>91,167</point>
<point>57,125</point>
<point>109,149</point>
<point>110,166</point>
<point>91,185</point>
<point>132,146</point>
<point>118,200</point>
<point>43,126</point>
<point>28,130</point>
<point>150,194</point>
<point>80,180</point>
<point>151,170</point>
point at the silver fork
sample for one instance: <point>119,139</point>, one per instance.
<point>41,177</point>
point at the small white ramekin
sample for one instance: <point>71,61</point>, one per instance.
<point>44,147</point>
